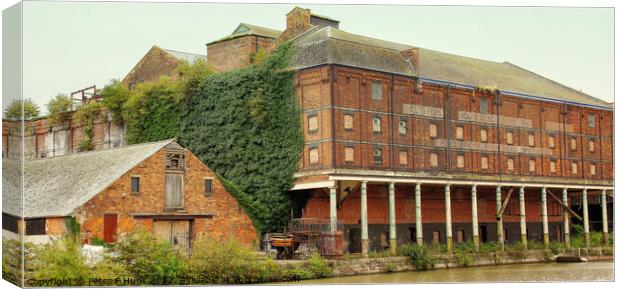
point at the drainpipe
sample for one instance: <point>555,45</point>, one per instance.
<point>331,92</point>
<point>448,131</point>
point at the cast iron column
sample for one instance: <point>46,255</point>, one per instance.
<point>364,221</point>
<point>418,214</point>
<point>474,218</point>
<point>392,221</point>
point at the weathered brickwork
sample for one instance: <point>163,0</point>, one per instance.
<point>236,52</point>
<point>155,64</point>
<point>227,221</point>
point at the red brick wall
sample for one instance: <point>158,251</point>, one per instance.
<point>235,53</point>
<point>228,221</point>
<point>155,64</point>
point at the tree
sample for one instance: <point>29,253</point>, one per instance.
<point>114,96</point>
<point>14,110</point>
<point>57,109</point>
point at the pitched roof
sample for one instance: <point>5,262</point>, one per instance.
<point>329,45</point>
<point>187,56</point>
<point>58,185</point>
<point>244,29</point>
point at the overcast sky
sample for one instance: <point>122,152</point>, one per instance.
<point>69,46</point>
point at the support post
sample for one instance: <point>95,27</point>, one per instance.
<point>498,208</point>
<point>474,218</point>
<point>604,212</point>
<point>522,219</point>
<point>333,220</point>
<point>392,220</point>
<point>418,214</point>
<point>545,219</point>
<point>566,218</point>
<point>364,221</point>
<point>586,218</point>
<point>448,220</point>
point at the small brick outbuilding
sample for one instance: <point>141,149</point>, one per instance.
<point>160,185</point>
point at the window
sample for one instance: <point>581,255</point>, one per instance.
<point>531,141</point>
<point>592,170</point>
<point>532,165</point>
<point>135,185</point>
<point>208,187</point>
<point>314,155</point>
<point>573,166</point>
<point>313,123</point>
<point>433,160</point>
<point>349,154</point>
<point>460,236</point>
<point>348,122</point>
<point>552,167</point>
<point>35,226</point>
<point>591,145</point>
<point>377,90</point>
<point>551,141</point>
<point>403,158</point>
<point>573,144</point>
<point>459,133</point>
<point>484,135</point>
<point>484,106</point>
<point>174,190</point>
<point>510,163</point>
<point>432,130</point>
<point>591,120</point>
<point>509,139</point>
<point>376,124</point>
<point>402,127</point>
<point>460,161</point>
<point>378,156</point>
<point>436,237</point>
<point>175,161</point>
<point>484,162</point>
<point>9,223</point>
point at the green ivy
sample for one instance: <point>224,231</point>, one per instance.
<point>85,116</point>
<point>245,125</point>
<point>115,96</point>
<point>58,109</point>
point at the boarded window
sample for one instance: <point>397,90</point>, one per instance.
<point>378,156</point>
<point>509,138</point>
<point>377,90</point>
<point>314,155</point>
<point>532,165</point>
<point>348,122</point>
<point>35,226</point>
<point>376,124</point>
<point>349,154</point>
<point>591,146</point>
<point>484,162</point>
<point>174,190</point>
<point>313,123</point>
<point>459,132</point>
<point>591,120</point>
<point>403,158</point>
<point>484,137</point>
<point>552,167</point>
<point>135,185</point>
<point>592,170</point>
<point>510,163</point>
<point>460,161</point>
<point>432,130</point>
<point>402,127</point>
<point>436,237</point>
<point>9,223</point>
<point>573,166</point>
<point>484,105</point>
<point>573,144</point>
<point>175,161</point>
<point>460,236</point>
<point>551,141</point>
<point>531,141</point>
<point>208,187</point>
<point>433,160</point>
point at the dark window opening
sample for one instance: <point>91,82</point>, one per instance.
<point>9,223</point>
<point>460,236</point>
<point>35,226</point>
<point>208,188</point>
<point>135,185</point>
<point>436,237</point>
<point>483,234</point>
<point>412,234</point>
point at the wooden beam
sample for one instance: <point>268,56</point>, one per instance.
<point>505,203</point>
<point>564,206</point>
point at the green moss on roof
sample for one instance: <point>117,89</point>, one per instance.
<point>244,29</point>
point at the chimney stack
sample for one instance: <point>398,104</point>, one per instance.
<point>413,57</point>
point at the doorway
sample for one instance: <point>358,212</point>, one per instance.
<point>176,232</point>
<point>110,222</point>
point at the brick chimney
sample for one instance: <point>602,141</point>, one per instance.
<point>413,57</point>
<point>298,21</point>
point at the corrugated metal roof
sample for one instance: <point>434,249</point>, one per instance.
<point>187,56</point>
<point>328,45</point>
<point>244,29</point>
<point>57,186</point>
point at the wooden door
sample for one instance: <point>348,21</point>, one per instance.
<point>174,190</point>
<point>176,232</point>
<point>109,227</point>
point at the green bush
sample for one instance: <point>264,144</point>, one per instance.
<point>12,261</point>
<point>14,110</point>
<point>58,109</point>
<point>535,245</point>
<point>318,266</point>
<point>379,254</point>
<point>596,239</point>
<point>463,258</point>
<point>421,258</point>
<point>490,247</point>
<point>516,250</point>
<point>405,249</point>
<point>115,95</point>
<point>148,258</point>
<point>465,247</point>
<point>556,247</point>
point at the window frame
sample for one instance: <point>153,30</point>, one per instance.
<point>33,228</point>
<point>486,135</point>
<point>344,122</point>
<point>376,124</point>
<point>591,120</point>
<point>310,118</point>
<point>208,180</point>
<point>377,157</point>
<point>376,86</point>
<point>436,130</point>
<point>131,185</point>
<point>310,153</point>
<point>352,148</point>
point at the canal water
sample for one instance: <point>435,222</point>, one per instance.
<point>538,272</point>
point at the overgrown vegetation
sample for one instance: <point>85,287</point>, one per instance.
<point>85,116</point>
<point>14,110</point>
<point>421,258</point>
<point>245,125</point>
<point>58,109</point>
<point>114,96</point>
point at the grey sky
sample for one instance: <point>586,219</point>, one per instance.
<point>69,46</point>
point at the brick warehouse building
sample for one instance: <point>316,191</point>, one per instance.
<point>406,144</point>
<point>160,186</point>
